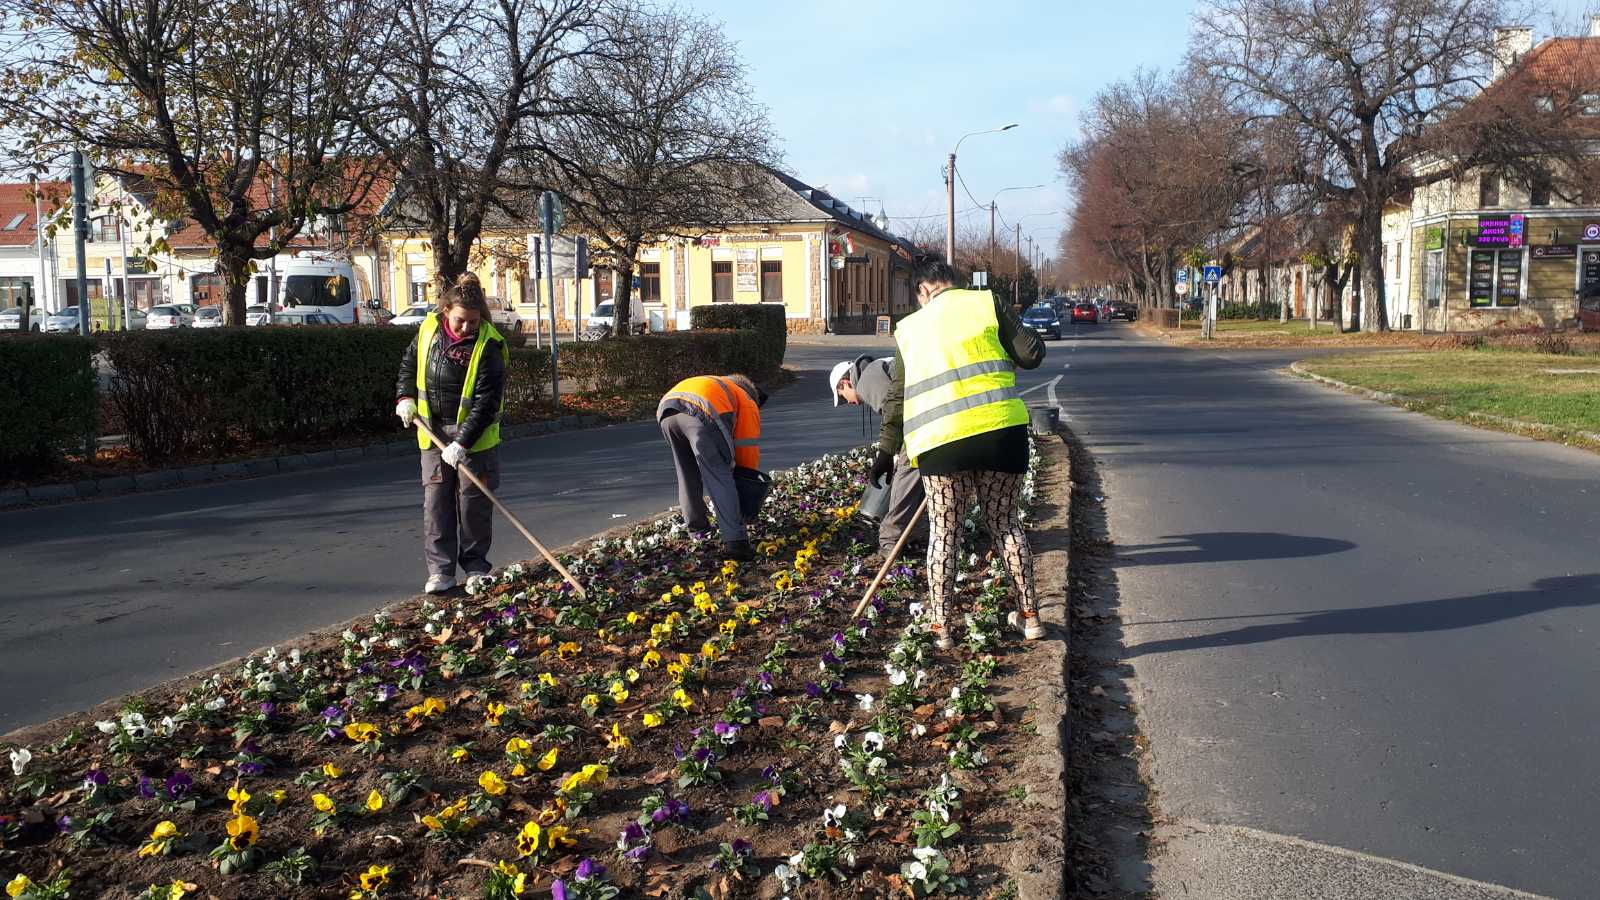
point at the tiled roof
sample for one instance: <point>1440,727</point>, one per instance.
<point>18,225</point>
<point>190,236</point>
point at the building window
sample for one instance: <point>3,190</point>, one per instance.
<point>1488,191</point>
<point>722,281</point>
<point>205,290</point>
<point>14,289</point>
<point>1589,105</point>
<point>1539,191</point>
<point>650,282</point>
<point>69,291</point>
<point>771,281</point>
<point>106,229</point>
<point>1544,103</point>
<point>1494,278</point>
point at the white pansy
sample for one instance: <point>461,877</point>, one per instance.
<point>917,871</point>
<point>396,643</point>
<point>430,628</point>
<point>106,726</point>
<point>833,816</point>
<point>918,729</point>
<point>876,764</point>
<point>926,854</point>
<point>864,701</point>
<point>897,677</point>
<point>215,704</point>
<point>19,761</point>
<point>872,742</point>
<point>349,637</point>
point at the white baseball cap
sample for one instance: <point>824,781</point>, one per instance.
<point>836,376</point>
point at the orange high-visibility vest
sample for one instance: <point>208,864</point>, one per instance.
<point>721,403</point>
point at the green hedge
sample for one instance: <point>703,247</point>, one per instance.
<point>47,400</point>
<point>527,384</point>
<point>765,319</point>
<point>652,364</point>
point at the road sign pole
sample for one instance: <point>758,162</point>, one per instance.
<point>547,213</point>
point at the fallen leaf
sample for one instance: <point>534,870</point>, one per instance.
<point>925,710</point>
<point>837,727</point>
<point>658,777</point>
<point>213,770</point>
<point>444,635</point>
<point>770,722</point>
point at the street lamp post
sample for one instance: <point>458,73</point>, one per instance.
<point>950,193</point>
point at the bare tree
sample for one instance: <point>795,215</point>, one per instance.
<point>459,94</point>
<point>671,143</point>
<point>1369,89</point>
<point>216,106</point>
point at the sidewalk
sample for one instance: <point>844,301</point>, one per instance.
<point>843,340</point>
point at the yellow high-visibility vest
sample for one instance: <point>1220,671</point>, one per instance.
<point>959,380</point>
<point>486,333</point>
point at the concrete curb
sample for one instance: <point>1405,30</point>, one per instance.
<point>163,479</point>
<point>1502,423</point>
<point>1038,860</point>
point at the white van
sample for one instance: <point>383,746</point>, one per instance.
<point>320,283</point>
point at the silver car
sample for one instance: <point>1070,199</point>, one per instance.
<point>169,315</point>
<point>257,314</point>
<point>11,319</point>
<point>63,321</point>
<point>208,317</point>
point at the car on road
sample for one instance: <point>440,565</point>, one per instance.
<point>1121,309</point>
<point>297,316</point>
<point>257,314</point>
<point>63,321</point>
<point>208,317</point>
<point>504,316</point>
<point>11,319</point>
<point>169,315</point>
<point>1043,320</point>
<point>1085,312</point>
<point>412,315</point>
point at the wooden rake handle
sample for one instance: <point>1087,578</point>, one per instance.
<point>893,555</point>
<point>478,483</point>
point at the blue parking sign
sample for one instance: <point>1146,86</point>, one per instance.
<point>1183,276</point>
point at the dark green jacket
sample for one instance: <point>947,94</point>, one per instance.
<point>1023,346</point>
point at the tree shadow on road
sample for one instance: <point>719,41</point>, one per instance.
<point>1227,546</point>
<point>1443,614</point>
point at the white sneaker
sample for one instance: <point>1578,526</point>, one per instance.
<point>1032,629</point>
<point>438,584</point>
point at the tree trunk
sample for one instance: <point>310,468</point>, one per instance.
<point>1374,308</point>
<point>622,308</point>
<point>233,264</point>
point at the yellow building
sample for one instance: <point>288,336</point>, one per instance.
<point>830,266</point>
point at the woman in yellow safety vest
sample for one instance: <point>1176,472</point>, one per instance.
<point>953,402</point>
<point>453,378</point>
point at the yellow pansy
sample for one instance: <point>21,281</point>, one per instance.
<point>548,761</point>
<point>681,697</point>
<point>323,803</point>
<point>677,590</point>
<point>493,711</point>
<point>242,832</point>
<point>279,795</point>
<point>519,879</point>
<point>617,740</point>
<point>459,754</point>
<point>651,659</point>
<point>361,732</point>
<point>374,801</point>
<point>519,745</point>
<point>729,627</point>
<point>546,679</point>
<point>708,650</point>
<point>619,692</point>
<point>528,839</point>
<point>633,618</point>
<point>332,771</point>
<point>240,797</point>
<point>567,650</point>
<point>652,720</point>
<point>676,670</point>
<point>590,703</point>
<point>374,878</point>
<point>491,784</point>
<point>16,886</point>
<point>632,675</point>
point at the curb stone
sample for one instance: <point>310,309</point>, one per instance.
<point>159,479</point>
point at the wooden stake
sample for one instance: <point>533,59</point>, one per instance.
<point>893,555</point>
<point>472,477</point>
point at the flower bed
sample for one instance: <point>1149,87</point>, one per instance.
<point>695,727</point>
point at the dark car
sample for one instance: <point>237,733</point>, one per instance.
<point>1043,320</point>
<point>1121,309</point>
<point>1085,312</point>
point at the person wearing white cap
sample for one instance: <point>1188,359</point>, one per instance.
<point>865,381</point>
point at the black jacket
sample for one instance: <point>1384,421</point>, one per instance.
<point>445,379</point>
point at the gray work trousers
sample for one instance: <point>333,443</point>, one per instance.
<point>704,463</point>
<point>905,495</point>
<point>456,517</point>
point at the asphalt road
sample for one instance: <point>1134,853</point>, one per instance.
<point>1350,624</point>
<point>104,597</point>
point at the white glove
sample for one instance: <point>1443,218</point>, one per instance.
<point>406,409</point>
<point>454,455</point>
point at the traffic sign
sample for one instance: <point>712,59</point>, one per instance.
<point>1183,276</point>
<point>1212,274</point>
<point>1182,288</point>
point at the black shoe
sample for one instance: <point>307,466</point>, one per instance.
<point>739,550</point>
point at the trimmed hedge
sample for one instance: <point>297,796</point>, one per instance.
<point>47,400</point>
<point>652,364</point>
<point>207,392</point>
<point>765,319</point>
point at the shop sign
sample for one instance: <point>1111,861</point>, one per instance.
<point>1555,251</point>
<point>747,271</point>
<point>1505,232</point>
<point>1591,231</point>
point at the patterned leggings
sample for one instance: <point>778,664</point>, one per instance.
<point>949,499</point>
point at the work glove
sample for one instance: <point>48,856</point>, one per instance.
<point>882,467</point>
<point>454,455</point>
<point>406,409</point>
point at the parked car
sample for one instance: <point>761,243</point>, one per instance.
<point>64,321</point>
<point>1043,320</point>
<point>504,316</point>
<point>257,314</point>
<point>138,319</point>
<point>208,317</point>
<point>412,315</point>
<point>169,315</point>
<point>11,319</point>
<point>189,308</point>
<point>376,315</point>
<point>1122,309</point>
<point>1085,312</point>
<point>605,315</point>
<point>297,316</point>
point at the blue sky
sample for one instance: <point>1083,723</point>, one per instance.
<point>868,96</point>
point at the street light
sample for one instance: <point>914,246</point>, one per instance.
<point>1028,187</point>
<point>950,193</point>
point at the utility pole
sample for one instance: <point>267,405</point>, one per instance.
<point>549,208</point>
<point>37,297</point>
<point>1016,278</point>
<point>80,236</point>
<point>990,261</point>
<point>950,210</point>
<point>122,232</point>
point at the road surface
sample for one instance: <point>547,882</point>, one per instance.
<point>1350,624</point>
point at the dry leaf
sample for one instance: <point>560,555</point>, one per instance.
<point>837,727</point>
<point>770,722</point>
<point>444,635</point>
<point>213,770</point>
<point>658,777</point>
